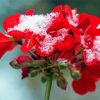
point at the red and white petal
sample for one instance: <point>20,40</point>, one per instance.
<point>11,21</point>
<point>59,23</point>
<point>89,57</point>
<point>43,51</point>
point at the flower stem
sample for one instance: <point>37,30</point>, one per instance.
<point>48,87</point>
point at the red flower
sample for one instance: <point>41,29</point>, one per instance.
<point>72,39</point>
<point>91,50</point>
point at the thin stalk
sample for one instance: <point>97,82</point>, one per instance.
<point>48,88</point>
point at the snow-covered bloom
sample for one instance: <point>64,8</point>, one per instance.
<point>62,39</point>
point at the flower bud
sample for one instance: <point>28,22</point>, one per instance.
<point>75,74</point>
<point>20,61</point>
<point>61,82</point>
<point>23,59</point>
<point>14,64</point>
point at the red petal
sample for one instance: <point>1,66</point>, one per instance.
<point>85,84</point>
<point>94,20</point>
<point>4,47</point>
<point>67,44</point>
<point>13,45</point>
<point>11,21</point>
<point>76,33</point>
<point>43,54</point>
<point>69,54</point>
<point>28,44</point>
<point>30,12</point>
<point>95,70</point>
<point>67,10</point>
<point>25,72</point>
<point>17,35</point>
<point>5,44</point>
<point>3,51</point>
<point>84,21</point>
<point>57,9</point>
<point>22,59</point>
<point>4,41</point>
<point>58,23</point>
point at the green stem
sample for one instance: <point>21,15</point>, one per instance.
<point>48,87</point>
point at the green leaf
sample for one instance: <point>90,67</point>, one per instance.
<point>43,79</point>
<point>33,74</point>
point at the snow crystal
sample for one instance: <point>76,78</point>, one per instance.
<point>97,55</point>
<point>96,47</point>
<point>83,42</point>
<point>96,44</point>
<point>62,61</point>
<point>35,23</point>
<point>94,53</point>
<point>89,55</point>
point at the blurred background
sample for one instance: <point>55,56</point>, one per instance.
<point>11,85</point>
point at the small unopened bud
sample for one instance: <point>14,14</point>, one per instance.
<point>20,61</point>
<point>61,82</point>
<point>14,64</point>
<point>75,74</point>
<point>23,59</point>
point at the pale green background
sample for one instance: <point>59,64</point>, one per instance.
<point>11,85</point>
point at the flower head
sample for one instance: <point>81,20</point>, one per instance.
<point>60,40</point>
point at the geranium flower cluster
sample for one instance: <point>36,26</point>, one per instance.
<point>60,40</point>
